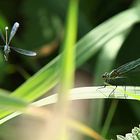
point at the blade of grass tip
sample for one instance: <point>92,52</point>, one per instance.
<point>67,60</point>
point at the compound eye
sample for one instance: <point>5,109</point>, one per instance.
<point>103,76</point>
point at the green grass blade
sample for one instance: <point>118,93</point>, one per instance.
<point>96,39</point>
<point>67,60</point>
<point>8,102</point>
<point>84,93</point>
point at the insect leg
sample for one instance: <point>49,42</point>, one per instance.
<point>98,90</point>
<point>112,92</point>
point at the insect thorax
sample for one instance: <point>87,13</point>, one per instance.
<point>6,49</point>
<point>106,76</point>
<point>113,74</point>
<point>110,76</point>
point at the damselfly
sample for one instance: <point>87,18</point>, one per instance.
<point>7,41</point>
<point>121,71</point>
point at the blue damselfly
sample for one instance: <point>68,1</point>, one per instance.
<point>7,47</point>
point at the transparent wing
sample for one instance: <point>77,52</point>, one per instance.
<point>24,52</point>
<point>13,31</point>
<point>130,66</point>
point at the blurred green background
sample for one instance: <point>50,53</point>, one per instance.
<point>41,29</point>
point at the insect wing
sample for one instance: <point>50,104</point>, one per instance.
<point>13,31</point>
<point>24,52</point>
<point>130,66</point>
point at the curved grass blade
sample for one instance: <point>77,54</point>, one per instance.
<point>97,38</point>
